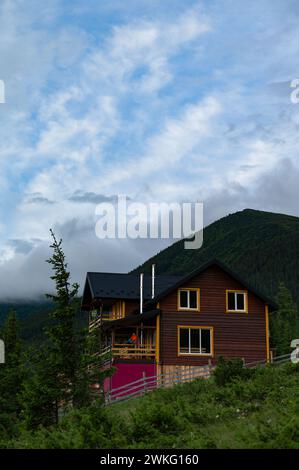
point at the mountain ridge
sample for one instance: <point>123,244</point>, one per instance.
<point>263,247</point>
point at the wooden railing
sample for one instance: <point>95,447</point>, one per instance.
<point>133,351</point>
<point>99,319</point>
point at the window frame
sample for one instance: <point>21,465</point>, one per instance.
<point>237,291</point>
<point>195,327</point>
<point>188,309</point>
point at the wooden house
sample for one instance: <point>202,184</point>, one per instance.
<point>177,322</point>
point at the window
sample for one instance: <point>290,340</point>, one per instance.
<point>195,340</point>
<point>188,299</point>
<point>236,301</point>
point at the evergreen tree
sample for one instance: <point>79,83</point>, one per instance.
<point>56,375</point>
<point>41,390</point>
<point>65,350</point>
<point>11,374</point>
<point>74,352</point>
<point>284,322</point>
<point>60,375</point>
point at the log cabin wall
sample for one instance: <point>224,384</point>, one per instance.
<point>235,334</point>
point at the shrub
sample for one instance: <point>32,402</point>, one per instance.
<point>228,370</point>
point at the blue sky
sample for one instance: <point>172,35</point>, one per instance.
<point>160,100</point>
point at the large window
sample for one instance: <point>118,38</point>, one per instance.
<point>188,299</point>
<point>236,301</point>
<point>195,340</point>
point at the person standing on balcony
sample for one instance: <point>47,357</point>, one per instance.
<point>132,339</point>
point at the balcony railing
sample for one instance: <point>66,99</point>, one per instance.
<point>98,319</point>
<point>133,351</point>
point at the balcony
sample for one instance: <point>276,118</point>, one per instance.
<point>127,351</point>
<point>133,351</point>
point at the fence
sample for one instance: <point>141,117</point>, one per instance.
<point>147,384</point>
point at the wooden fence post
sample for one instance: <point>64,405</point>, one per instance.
<point>210,368</point>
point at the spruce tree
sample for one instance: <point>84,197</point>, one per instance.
<point>11,373</point>
<point>41,391</point>
<point>284,322</point>
<point>55,373</point>
<point>61,373</point>
<point>64,347</point>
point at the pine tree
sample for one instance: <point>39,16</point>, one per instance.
<point>41,391</point>
<point>60,374</point>
<point>56,374</point>
<point>284,322</point>
<point>11,373</point>
<point>64,341</point>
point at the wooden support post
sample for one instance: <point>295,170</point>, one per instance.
<point>210,367</point>
<point>271,357</point>
<point>158,339</point>
<point>267,333</point>
<point>144,382</point>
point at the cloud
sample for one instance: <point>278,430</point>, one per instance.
<point>21,246</point>
<point>26,275</point>
<point>161,101</point>
<point>172,144</point>
<point>39,200</point>
<point>92,198</point>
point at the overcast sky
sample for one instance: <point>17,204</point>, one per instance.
<point>161,100</point>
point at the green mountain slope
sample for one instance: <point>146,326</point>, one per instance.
<point>262,247</point>
<point>33,318</point>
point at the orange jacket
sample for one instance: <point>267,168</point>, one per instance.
<point>133,338</point>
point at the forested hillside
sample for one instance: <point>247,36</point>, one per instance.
<point>262,247</point>
<point>33,318</point>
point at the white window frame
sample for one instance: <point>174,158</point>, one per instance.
<point>236,293</point>
<point>188,290</point>
<point>199,328</point>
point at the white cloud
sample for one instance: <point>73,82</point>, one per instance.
<point>159,107</point>
<point>175,142</point>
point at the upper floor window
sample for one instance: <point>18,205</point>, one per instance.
<point>236,301</point>
<point>188,299</point>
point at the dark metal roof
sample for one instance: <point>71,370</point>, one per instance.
<point>126,286</point>
<point>131,320</point>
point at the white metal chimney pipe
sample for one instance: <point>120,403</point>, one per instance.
<point>153,281</point>
<point>141,293</point>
